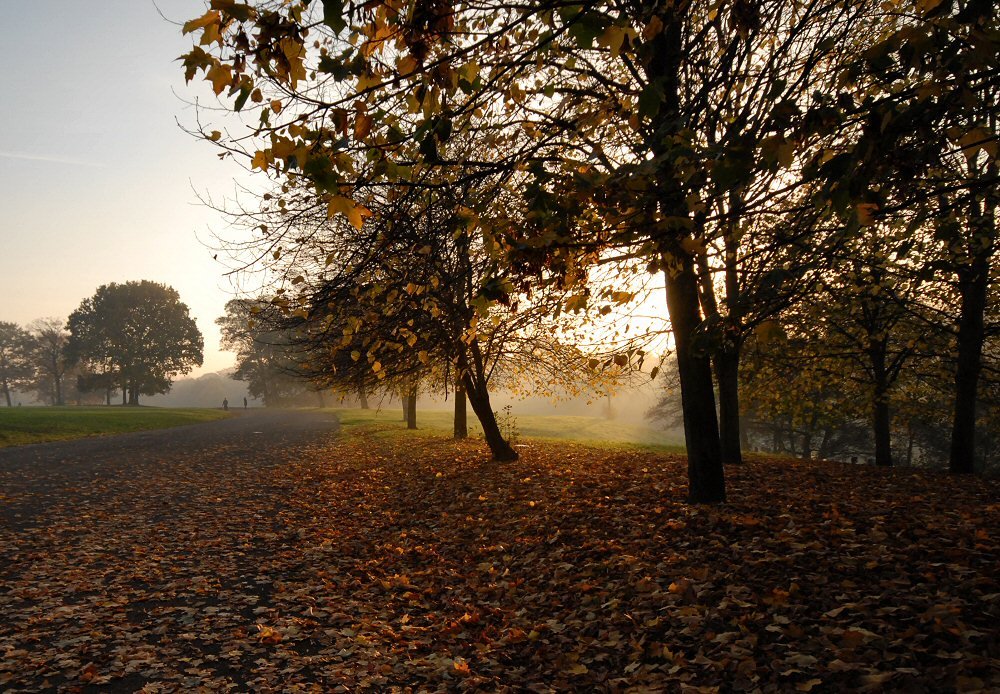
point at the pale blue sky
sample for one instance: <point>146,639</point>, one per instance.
<point>96,179</point>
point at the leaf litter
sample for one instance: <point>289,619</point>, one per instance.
<point>379,561</point>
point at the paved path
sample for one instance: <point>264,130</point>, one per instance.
<point>36,478</point>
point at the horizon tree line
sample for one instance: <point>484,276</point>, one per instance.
<point>131,338</point>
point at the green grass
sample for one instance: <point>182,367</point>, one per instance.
<point>594,431</point>
<point>23,425</point>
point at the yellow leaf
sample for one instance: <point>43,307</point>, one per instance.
<point>975,140</point>
<point>221,76</point>
<point>769,331</point>
<point>211,34</point>
<point>367,81</point>
<point>406,64</point>
<point>294,52</point>
<point>693,245</point>
<point>357,216</point>
<point>338,203</point>
<point>210,17</point>
<point>355,213</point>
<point>786,153</point>
<point>282,147</point>
<point>469,72</point>
<point>362,125</point>
<point>215,136</point>
<point>613,37</point>
<point>260,160</point>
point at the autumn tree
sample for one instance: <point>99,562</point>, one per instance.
<point>265,358</point>
<point>15,358</point>
<point>925,153</point>
<point>445,316</point>
<point>797,399</point>
<point>48,351</point>
<point>138,333</point>
<point>595,108</point>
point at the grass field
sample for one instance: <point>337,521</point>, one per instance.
<point>589,430</point>
<point>23,425</point>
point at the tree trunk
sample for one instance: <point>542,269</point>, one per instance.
<point>909,443</point>
<point>461,414</point>
<point>363,397</point>
<point>479,398</point>
<point>881,417</point>
<point>970,345</point>
<point>973,284</point>
<point>411,409</point>
<point>883,433</point>
<point>477,391</point>
<point>701,429</point>
<point>57,382</point>
<point>701,425</point>
<point>405,400</point>
<point>727,369</point>
<point>824,443</point>
<point>6,393</point>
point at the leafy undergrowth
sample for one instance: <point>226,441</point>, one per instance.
<point>381,560</point>
<point>24,425</point>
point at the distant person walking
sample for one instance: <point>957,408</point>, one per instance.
<point>225,403</point>
<point>244,403</point>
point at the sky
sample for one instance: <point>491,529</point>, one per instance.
<point>98,182</point>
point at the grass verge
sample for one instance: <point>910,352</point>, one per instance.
<point>24,425</point>
<point>592,431</point>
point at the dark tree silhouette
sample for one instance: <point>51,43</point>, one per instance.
<point>138,334</point>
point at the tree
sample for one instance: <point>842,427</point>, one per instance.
<point>265,357</point>
<point>15,359</point>
<point>48,348</point>
<point>138,334</point>
<point>618,127</point>
<point>442,317</point>
<point>926,150</point>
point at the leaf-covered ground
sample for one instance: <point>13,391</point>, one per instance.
<point>377,560</point>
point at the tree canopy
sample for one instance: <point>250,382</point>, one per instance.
<point>735,148</point>
<point>15,359</point>
<point>136,336</point>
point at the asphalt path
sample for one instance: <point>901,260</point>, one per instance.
<point>39,477</point>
